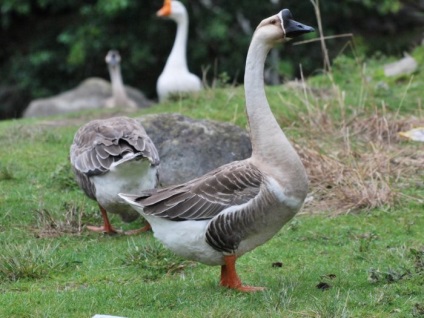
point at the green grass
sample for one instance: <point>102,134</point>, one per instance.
<point>364,264</point>
<point>94,274</point>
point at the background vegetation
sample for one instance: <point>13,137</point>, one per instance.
<point>49,46</point>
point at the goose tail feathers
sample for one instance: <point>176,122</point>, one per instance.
<point>130,199</point>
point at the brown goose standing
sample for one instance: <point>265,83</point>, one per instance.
<point>119,96</point>
<point>220,216</point>
<point>110,156</point>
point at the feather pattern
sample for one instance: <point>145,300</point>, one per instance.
<point>204,198</point>
<point>227,230</point>
<point>99,143</point>
<point>100,146</point>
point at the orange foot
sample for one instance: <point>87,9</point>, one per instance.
<point>112,231</point>
<point>249,289</point>
<point>230,279</point>
<point>107,227</point>
<point>145,228</point>
<point>103,229</point>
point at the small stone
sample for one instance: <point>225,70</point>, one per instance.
<point>404,66</point>
<point>323,286</point>
<point>277,264</point>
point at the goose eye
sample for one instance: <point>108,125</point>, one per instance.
<point>273,21</point>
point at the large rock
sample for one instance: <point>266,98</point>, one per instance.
<point>189,148</point>
<point>90,94</point>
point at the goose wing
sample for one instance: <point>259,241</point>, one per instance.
<point>203,198</point>
<point>100,143</point>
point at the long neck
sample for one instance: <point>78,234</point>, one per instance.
<point>177,58</point>
<point>269,143</point>
<point>118,90</point>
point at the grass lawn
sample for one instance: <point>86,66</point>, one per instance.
<point>355,250</point>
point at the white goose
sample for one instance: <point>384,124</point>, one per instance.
<point>119,96</point>
<point>220,216</point>
<point>110,156</point>
<point>176,78</point>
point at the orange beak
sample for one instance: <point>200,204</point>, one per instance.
<point>165,10</point>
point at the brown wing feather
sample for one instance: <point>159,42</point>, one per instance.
<point>85,184</point>
<point>203,198</point>
<point>99,143</point>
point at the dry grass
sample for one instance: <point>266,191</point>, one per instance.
<point>51,226</point>
<point>367,167</point>
<point>359,162</point>
<point>348,183</point>
<point>384,128</point>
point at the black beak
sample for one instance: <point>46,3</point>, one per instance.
<point>292,27</point>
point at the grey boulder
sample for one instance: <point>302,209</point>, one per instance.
<point>189,148</point>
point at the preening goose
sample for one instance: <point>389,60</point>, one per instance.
<point>176,78</point>
<point>220,216</point>
<point>110,156</point>
<point>119,96</point>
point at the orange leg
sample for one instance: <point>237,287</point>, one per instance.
<point>107,227</point>
<point>230,279</point>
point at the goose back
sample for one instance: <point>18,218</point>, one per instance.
<point>101,144</point>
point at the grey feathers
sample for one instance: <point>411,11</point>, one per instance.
<point>204,198</point>
<point>101,143</point>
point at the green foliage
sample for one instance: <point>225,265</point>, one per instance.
<point>63,177</point>
<point>399,94</point>
<point>383,7</point>
<point>8,7</point>
<point>286,68</point>
<point>111,7</point>
<point>418,54</point>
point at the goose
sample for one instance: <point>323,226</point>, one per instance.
<point>109,156</point>
<point>218,217</point>
<point>176,78</point>
<point>119,96</point>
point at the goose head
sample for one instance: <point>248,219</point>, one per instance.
<point>172,9</point>
<point>113,58</point>
<point>281,28</point>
